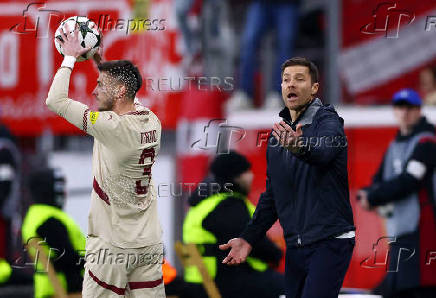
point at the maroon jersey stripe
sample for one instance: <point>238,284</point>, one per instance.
<point>145,284</point>
<point>116,290</point>
<point>100,192</point>
<point>85,120</point>
<point>137,113</point>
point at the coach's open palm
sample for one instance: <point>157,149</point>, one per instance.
<point>287,137</point>
<point>240,249</point>
<point>71,45</point>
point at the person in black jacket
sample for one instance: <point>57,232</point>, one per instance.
<point>306,189</point>
<point>403,192</point>
<point>226,189</point>
<point>10,176</point>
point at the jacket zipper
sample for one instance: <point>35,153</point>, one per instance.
<point>293,202</point>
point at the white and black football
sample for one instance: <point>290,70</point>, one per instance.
<point>89,35</point>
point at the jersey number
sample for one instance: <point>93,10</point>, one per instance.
<point>146,153</point>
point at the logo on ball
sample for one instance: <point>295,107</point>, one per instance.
<point>89,35</point>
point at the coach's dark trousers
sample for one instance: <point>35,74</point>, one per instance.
<point>317,270</point>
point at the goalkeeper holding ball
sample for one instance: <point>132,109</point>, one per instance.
<point>124,249</point>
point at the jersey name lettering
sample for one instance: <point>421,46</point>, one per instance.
<point>148,137</point>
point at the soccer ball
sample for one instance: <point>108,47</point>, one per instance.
<point>89,36</point>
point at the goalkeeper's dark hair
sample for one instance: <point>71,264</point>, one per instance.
<point>125,72</point>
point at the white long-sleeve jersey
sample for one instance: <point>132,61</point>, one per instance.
<point>123,201</point>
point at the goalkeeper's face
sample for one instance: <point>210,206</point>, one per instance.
<point>105,92</point>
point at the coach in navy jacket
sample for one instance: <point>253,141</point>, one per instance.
<point>306,189</point>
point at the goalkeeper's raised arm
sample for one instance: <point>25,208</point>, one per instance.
<point>117,85</point>
<point>57,99</point>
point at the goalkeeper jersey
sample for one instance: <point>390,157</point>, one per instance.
<point>123,207</point>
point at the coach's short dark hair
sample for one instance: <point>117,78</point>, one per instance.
<point>125,72</point>
<point>301,61</point>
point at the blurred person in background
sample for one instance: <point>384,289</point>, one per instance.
<point>195,31</point>
<point>10,218</point>
<point>427,82</point>
<point>220,211</point>
<point>403,192</point>
<point>6,272</point>
<point>190,35</point>
<point>58,232</point>
<point>262,16</point>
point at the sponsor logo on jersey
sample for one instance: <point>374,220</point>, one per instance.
<point>93,117</point>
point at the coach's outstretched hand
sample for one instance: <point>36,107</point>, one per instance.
<point>287,137</point>
<point>71,45</point>
<point>240,249</point>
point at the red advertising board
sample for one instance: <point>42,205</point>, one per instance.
<point>385,46</point>
<point>28,58</point>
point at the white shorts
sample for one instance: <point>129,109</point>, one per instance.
<point>118,272</point>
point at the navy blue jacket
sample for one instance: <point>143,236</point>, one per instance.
<point>307,192</point>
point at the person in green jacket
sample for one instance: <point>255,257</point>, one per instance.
<point>56,231</point>
<point>219,211</point>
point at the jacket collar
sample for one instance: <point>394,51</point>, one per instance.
<point>307,116</point>
<point>421,126</point>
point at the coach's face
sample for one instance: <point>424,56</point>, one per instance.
<point>104,92</point>
<point>297,87</point>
